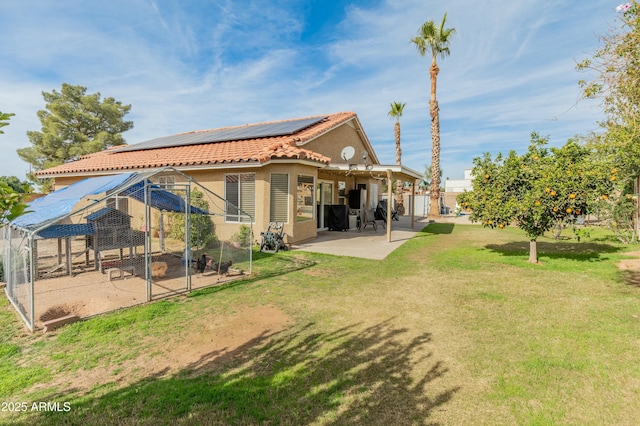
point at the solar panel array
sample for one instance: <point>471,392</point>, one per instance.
<point>266,130</point>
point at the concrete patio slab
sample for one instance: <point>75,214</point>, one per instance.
<point>368,244</point>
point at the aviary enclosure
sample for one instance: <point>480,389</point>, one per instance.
<point>110,242</point>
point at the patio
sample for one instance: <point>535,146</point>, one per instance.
<point>368,244</point>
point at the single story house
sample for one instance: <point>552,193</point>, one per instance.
<point>288,171</point>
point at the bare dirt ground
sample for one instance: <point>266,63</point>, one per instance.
<point>90,292</point>
<point>633,264</point>
<point>205,345</point>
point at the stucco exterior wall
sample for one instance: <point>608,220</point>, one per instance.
<point>295,231</point>
<point>331,144</point>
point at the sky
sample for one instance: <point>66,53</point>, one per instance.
<point>201,64</point>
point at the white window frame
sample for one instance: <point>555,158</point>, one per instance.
<point>312,190</point>
<point>238,218</point>
<point>275,216</point>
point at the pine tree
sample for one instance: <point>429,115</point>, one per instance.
<point>74,124</point>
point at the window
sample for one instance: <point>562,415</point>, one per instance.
<point>166,182</point>
<point>240,192</point>
<point>305,207</point>
<point>279,200</point>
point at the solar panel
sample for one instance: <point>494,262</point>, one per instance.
<point>255,131</point>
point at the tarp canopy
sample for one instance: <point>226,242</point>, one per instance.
<point>159,198</point>
<point>60,203</point>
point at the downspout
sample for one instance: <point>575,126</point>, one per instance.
<point>413,202</point>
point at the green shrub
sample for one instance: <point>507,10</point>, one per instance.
<point>243,236</point>
<point>202,227</point>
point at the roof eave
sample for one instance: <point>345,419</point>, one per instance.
<point>366,169</point>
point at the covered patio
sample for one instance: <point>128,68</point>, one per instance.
<point>368,244</point>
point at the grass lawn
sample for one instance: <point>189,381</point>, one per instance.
<point>455,327</point>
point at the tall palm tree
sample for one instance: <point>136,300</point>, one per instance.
<point>434,40</point>
<point>396,113</point>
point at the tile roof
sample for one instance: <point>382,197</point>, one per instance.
<point>258,151</point>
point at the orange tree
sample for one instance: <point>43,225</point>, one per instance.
<point>538,189</point>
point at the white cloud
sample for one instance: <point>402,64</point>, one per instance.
<point>192,65</point>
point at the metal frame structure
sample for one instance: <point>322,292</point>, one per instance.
<point>20,241</point>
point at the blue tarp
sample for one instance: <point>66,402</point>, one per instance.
<point>60,203</point>
<point>59,231</point>
<point>159,198</point>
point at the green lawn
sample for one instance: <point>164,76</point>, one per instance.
<point>455,327</point>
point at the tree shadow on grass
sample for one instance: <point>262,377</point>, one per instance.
<point>588,252</point>
<point>631,277</point>
<point>348,376</point>
<point>438,228</point>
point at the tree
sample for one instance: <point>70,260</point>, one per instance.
<point>16,184</point>
<point>12,191</point>
<point>12,204</point>
<point>617,83</point>
<point>538,189</point>
<point>434,40</point>
<point>4,120</point>
<point>74,124</point>
<point>395,113</point>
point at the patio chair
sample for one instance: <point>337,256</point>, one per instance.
<point>380,215</point>
<point>381,210</point>
<point>367,217</point>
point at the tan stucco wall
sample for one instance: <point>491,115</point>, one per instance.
<point>332,144</point>
<point>63,182</point>
<point>295,231</point>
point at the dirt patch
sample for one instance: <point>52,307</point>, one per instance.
<point>89,292</point>
<point>208,344</point>
<point>77,309</point>
<point>630,264</point>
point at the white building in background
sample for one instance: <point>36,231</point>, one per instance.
<point>453,187</point>
<point>459,185</point>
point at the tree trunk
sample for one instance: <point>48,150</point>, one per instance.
<point>399,186</point>
<point>434,110</point>
<point>533,252</point>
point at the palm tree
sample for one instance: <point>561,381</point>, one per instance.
<point>396,113</point>
<point>4,119</point>
<point>434,40</point>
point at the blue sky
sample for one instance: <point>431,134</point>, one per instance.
<point>199,64</point>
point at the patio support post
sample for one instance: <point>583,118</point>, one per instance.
<point>389,203</point>
<point>413,202</point>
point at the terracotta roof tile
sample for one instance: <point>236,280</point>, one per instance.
<point>256,151</point>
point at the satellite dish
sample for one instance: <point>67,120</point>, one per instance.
<point>347,153</point>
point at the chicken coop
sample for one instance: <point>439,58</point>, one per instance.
<point>109,242</point>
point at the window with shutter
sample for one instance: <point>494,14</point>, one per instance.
<point>240,193</point>
<point>279,200</point>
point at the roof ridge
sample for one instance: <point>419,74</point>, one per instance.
<point>240,126</point>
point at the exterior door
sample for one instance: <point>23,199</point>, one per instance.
<point>324,198</point>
